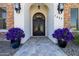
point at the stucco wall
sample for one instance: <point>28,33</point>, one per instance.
<point>27,22</point>
<point>58,18</point>
<point>22,21</point>
<point>19,18</point>
<point>50,22</point>
<point>54,20</point>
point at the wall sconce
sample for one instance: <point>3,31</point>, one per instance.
<point>17,7</point>
<point>60,8</point>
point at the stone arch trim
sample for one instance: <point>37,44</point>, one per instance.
<point>35,4</point>
<point>33,10</point>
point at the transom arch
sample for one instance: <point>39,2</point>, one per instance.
<point>39,15</point>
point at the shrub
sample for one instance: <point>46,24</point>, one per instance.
<point>76,38</point>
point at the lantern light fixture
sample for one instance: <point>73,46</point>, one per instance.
<point>60,8</point>
<point>17,7</point>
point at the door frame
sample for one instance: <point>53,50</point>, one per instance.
<point>40,21</point>
<point>32,25</point>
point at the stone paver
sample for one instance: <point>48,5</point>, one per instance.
<point>5,49</point>
<point>39,46</point>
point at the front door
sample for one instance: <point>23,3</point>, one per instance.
<point>38,26</point>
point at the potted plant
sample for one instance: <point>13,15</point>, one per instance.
<point>15,35</point>
<point>63,36</point>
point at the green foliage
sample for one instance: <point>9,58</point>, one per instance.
<point>76,38</point>
<point>1,18</point>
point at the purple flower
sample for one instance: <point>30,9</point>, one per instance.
<point>63,34</point>
<point>14,33</point>
<point>57,34</point>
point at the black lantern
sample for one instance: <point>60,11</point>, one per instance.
<point>17,7</point>
<point>60,8</point>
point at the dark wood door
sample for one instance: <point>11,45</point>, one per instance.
<point>38,27</point>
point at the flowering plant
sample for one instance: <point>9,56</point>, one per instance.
<point>64,34</point>
<point>15,33</point>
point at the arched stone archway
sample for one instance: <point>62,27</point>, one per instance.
<point>41,10</point>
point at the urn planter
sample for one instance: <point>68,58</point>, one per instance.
<point>63,36</point>
<point>62,44</point>
<point>15,43</point>
<point>15,35</point>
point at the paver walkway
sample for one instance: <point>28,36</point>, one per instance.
<point>39,46</point>
<point>5,49</point>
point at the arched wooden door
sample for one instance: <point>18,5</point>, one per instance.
<point>38,24</point>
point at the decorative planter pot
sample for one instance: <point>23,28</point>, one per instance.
<point>62,43</point>
<point>15,43</point>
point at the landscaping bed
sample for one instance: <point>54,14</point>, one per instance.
<point>72,49</point>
